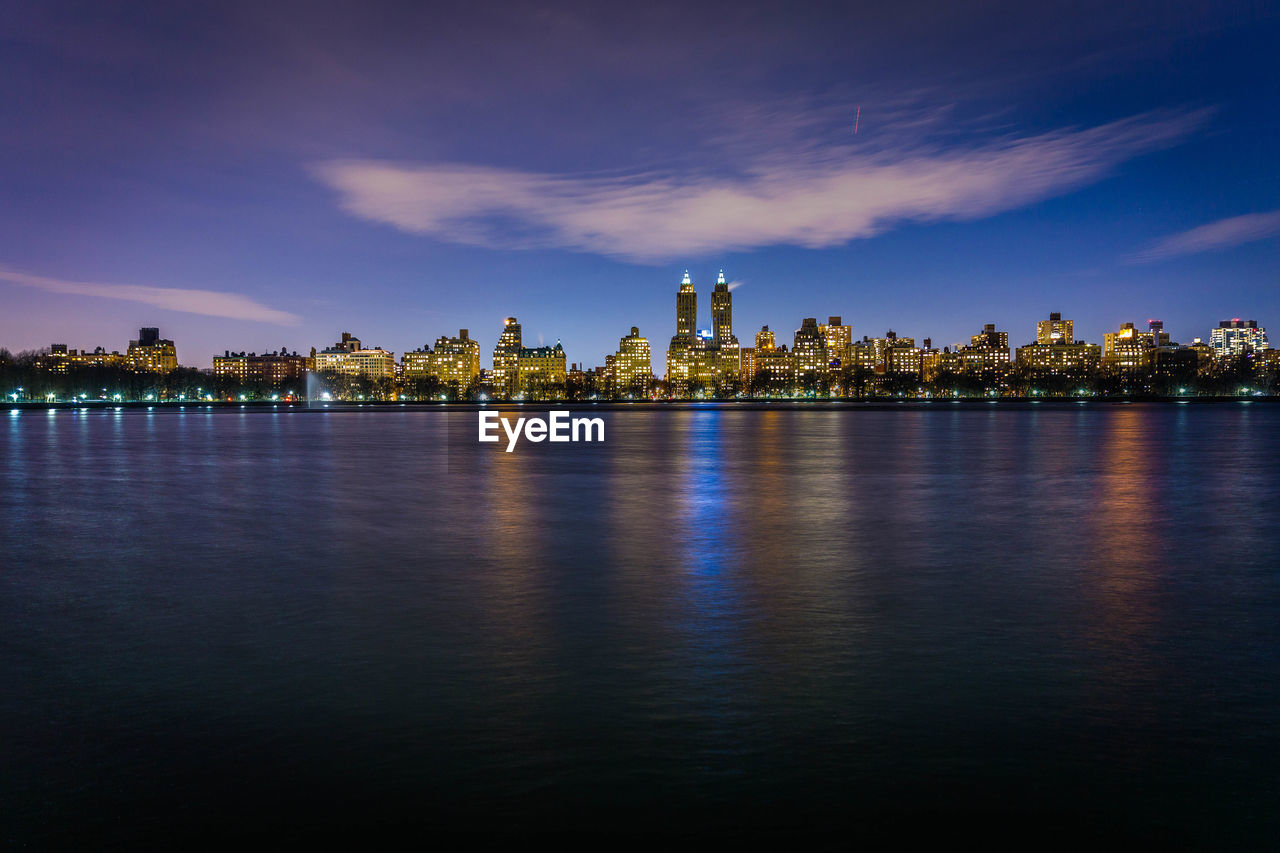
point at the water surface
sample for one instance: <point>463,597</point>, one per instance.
<point>1033,622</point>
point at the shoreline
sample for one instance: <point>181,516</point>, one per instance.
<point>785,404</point>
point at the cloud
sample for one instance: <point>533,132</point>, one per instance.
<point>1222,234</point>
<point>812,197</point>
<point>208,302</point>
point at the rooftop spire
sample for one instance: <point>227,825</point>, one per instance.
<point>686,279</point>
<point>720,278</point>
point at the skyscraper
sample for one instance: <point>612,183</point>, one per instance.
<point>722,312</point>
<point>686,308</point>
<point>699,360</point>
<point>631,369</point>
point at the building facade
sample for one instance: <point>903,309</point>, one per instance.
<point>703,358</point>
<point>152,354</point>
<point>349,357</point>
<point>630,370</point>
<point>1236,337</point>
<point>272,368</point>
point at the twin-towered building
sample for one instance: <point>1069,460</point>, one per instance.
<point>703,358</point>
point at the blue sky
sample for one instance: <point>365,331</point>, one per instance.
<point>251,178</point>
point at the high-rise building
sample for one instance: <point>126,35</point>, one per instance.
<point>702,358</point>
<point>987,355</point>
<point>506,355</point>
<point>1128,350</point>
<point>1235,337</point>
<point>726,359</point>
<point>809,349</point>
<point>632,367</point>
<point>519,369</point>
<point>722,312</point>
<point>686,308</point>
<point>151,354</point>
<point>1055,330</point>
<point>777,366</point>
<point>455,360</point>
<point>836,336</point>
<point>1155,331</point>
<point>990,338</point>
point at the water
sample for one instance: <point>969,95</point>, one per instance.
<point>1029,624</point>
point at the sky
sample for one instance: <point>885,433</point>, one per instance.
<point>251,176</point>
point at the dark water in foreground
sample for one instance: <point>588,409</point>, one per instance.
<point>1031,624</point>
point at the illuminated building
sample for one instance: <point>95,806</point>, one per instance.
<point>766,359</point>
<point>1126,351</point>
<point>348,357</point>
<point>986,355</point>
<point>1236,337</point>
<point>725,343</point>
<point>1073,359</point>
<point>1267,364</point>
<point>518,369</point>
<point>989,338</point>
<point>836,337</point>
<point>1204,355</point>
<point>455,360</point>
<point>272,367</point>
<point>541,370</point>
<point>631,370</point>
<point>1156,333</point>
<point>722,312</point>
<point>860,355</point>
<point>60,359</point>
<point>1055,330</point>
<point>881,346</point>
<point>903,358</point>
<point>1056,353</point>
<point>703,358</point>
<point>777,366</point>
<point>809,350</point>
<point>152,354</point>
<point>747,355</point>
<point>506,354</point>
<point>686,308</point>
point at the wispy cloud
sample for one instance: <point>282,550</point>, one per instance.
<point>210,303</point>
<point>813,198</point>
<point>1222,234</point>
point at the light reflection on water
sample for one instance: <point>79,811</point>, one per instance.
<point>732,619</point>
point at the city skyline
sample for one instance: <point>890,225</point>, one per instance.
<point>252,177</point>
<point>704,310</point>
